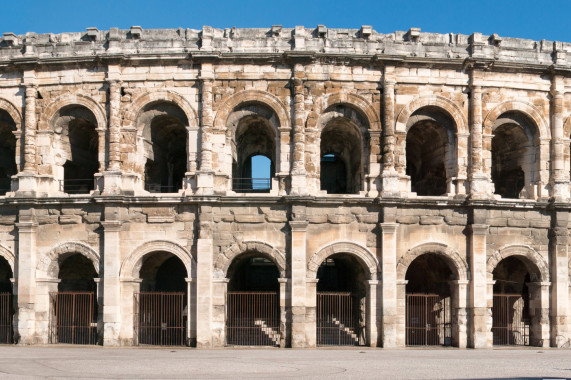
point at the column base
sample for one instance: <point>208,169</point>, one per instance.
<point>560,191</point>
<point>298,184</point>
<point>111,334</point>
<point>479,335</point>
<point>481,187</point>
<point>24,185</point>
<point>205,183</point>
<point>111,183</point>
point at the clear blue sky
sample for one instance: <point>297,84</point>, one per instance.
<point>525,19</point>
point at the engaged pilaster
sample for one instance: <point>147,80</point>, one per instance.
<point>298,173</point>
<point>479,333</point>
<point>27,182</point>
<point>204,252</point>
<point>205,175</point>
<point>559,176</point>
<point>389,285</point>
<point>389,177</point>
<point>112,176</point>
<point>111,282</point>
<point>301,332</point>
<point>559,259</point>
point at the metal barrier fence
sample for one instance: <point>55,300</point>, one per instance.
<point>253,319</point>
<point>74,318</point>
<point>428,319</point>
<point>337,319</point>
<point>510,324</point>
<point>251,185</point>
<point>6,314</point>
<point>159,318</point>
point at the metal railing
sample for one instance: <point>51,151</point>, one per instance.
<point>253,319</point>
<point>428,320</point>
<point>252,185</point>
<point>510,324</point>
<point>6,314</point>
<point>159,318</point>
<point>74,318</point>
<point>337,319</point>
<point>157,188</point>
<point>77,186</point>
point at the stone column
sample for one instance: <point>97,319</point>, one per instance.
<point>205,175</point>
<point>111,282</point>
<point>390,177</point>
<point>400,325</point>
<point>112,176</point>
<point>559,176</point>
<point>372,312</point>
<point>539,310</point>
<point>480,184</point>
<point>284,320</point>
<point>219,299</point>
<point>459,315</point>
<point>559,259</point>
<point>27,185</point>
<point>298,173</point>
<point>479,335</point>
<point>311,312</point>
<point>298,281</point>
<point>26,276</point>
<point>389,285</point>
<point>204,252</point>
<point>129,287</point>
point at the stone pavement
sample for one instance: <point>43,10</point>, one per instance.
<point>67,362</point>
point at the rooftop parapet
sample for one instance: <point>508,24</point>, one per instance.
<point>276,40</point>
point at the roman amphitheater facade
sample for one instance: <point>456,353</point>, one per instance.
<point>418,188</point>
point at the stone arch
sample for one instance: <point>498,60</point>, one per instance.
<point>251,96</point>
<point>134,109</point>
<point>68,100</point>
<point>9,256</point>
<point>363,255</point>
<point>132,264</point>
<point>48,266</point>
<point>355,102</point>
<point>13,112</point>
<point>452,256</point>
<point>224,260</point>
<point>446,105</point>
<point>534,262</point>
<point>527,109</point>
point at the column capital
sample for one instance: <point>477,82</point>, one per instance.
<point>478,229</point>
<point>112,225</point>
<point>26,226</point>
<point>388,228</point>
<point>298,225</point>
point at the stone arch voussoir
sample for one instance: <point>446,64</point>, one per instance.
<point>458,264</point>
<point>132,264</point>
<point>9,256</point>
<point>515,105</point>
<point>364,255</point>
<point>48,266</point>
<point>62,101</point>
<point>224,260</point>
<point>528,254</point>
<point>13,111</point>
<point>446,105</point>
<point>356,102</point>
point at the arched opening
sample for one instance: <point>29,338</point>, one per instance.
<point>430,158</point>
<point>8,166</point>
<point>161,306</point>
<point>75,303</point>
<point>164,138</point>
<point>6,302</point>
<point>514,155</point>
<point>76,128</point>
<point>253,151</point>
<point>516,312</point>
<point>253,302</point>
<point>341,301</point>
<point>429,301</point>
<point>341,152</point>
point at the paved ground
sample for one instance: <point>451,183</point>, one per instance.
<point>62,362</point>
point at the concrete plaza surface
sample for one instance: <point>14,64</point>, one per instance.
<point>66,362</point>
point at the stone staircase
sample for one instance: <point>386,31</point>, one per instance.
<point>346,330</point>
<point>270,332</point>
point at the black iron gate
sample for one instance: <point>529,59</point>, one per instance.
<point>510,324</point>
<point>428,320</point>
<point>74,318</point>
<point>340,319</point>
<point>159,318</point>
<point>253,319</point>
<point>6,313</point>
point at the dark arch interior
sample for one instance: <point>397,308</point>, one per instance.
<point>163,272</point>
<point>77,274</point>
<point>7,151</point>
<point>165,136</point>
<point>512,154</point>
<point>5,276</point>
<point>428,148</point>
<point>341,273</point>
<point>254,138</point>
<point>511,276</point>
<point>253,272</point>
<point>80,140</point>
<point>341,150</point>
<point>429,274</point>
